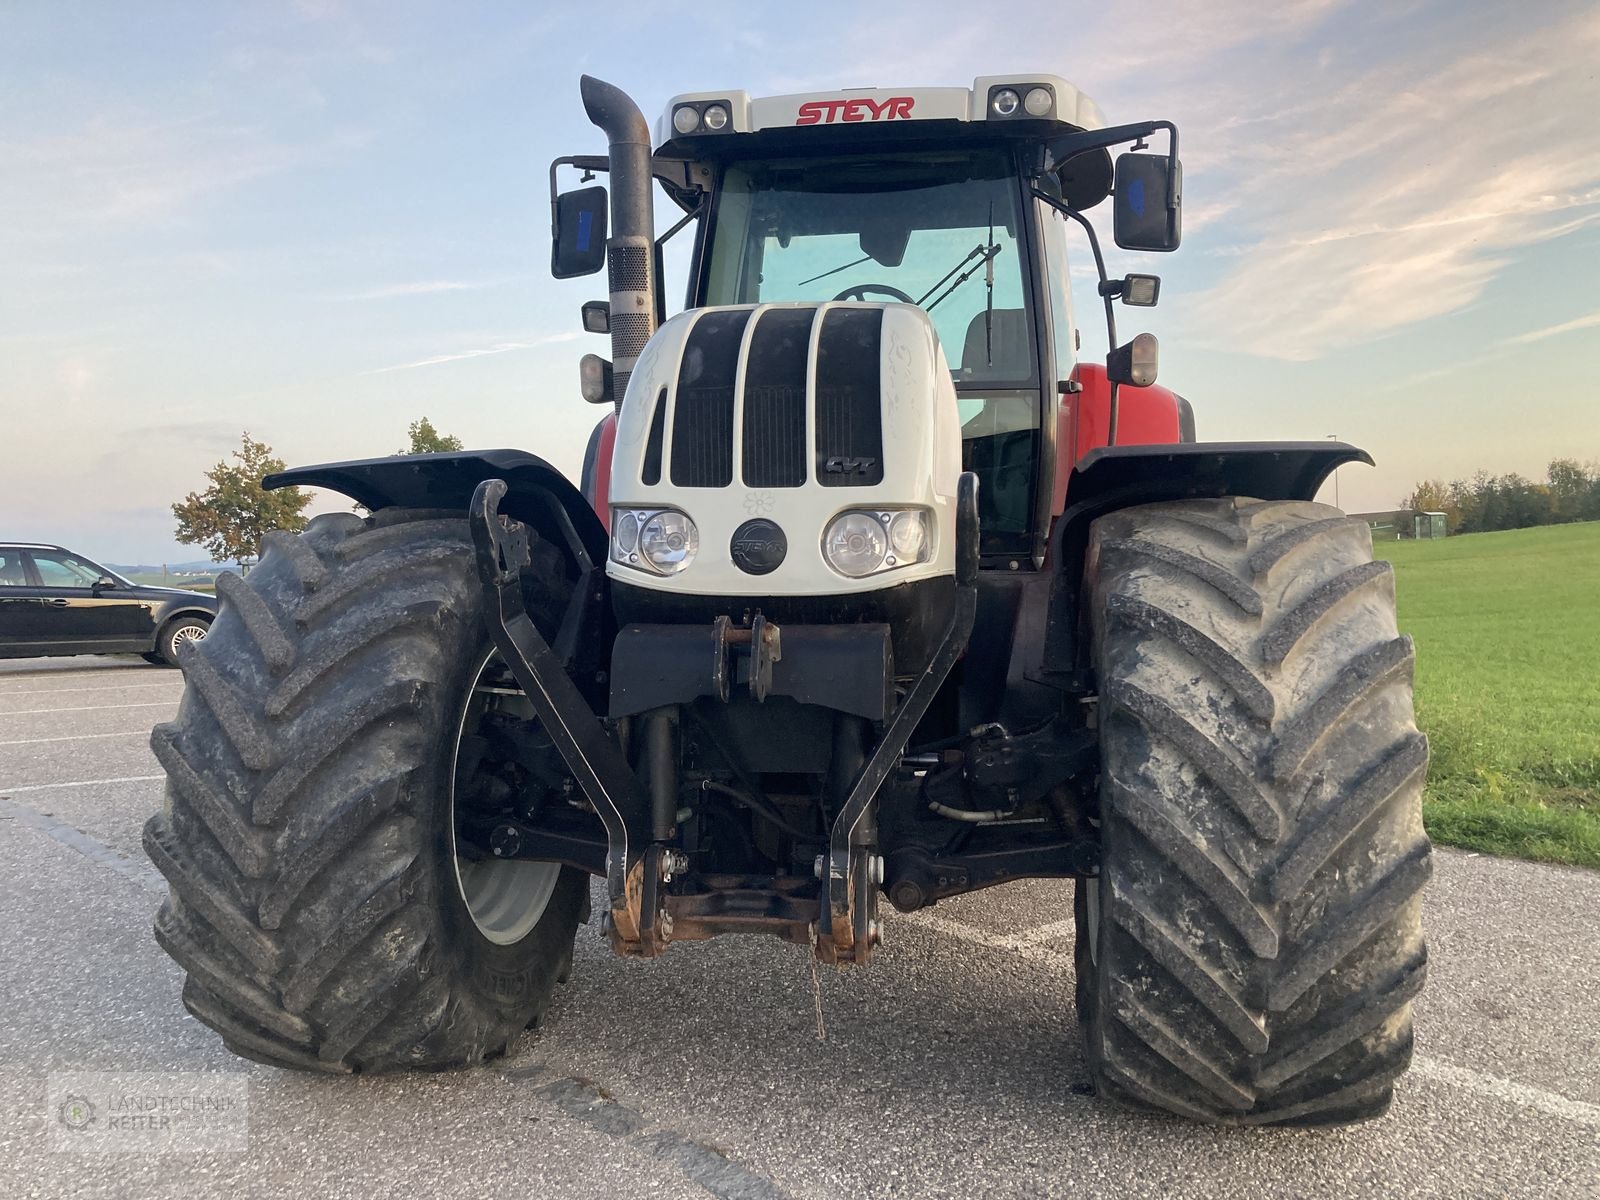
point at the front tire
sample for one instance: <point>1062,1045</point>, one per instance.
<point>308,832</point>
<point>1251,950</point>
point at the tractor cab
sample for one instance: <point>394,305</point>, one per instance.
<point>955,200</point>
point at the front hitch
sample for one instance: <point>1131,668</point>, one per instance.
<point>853,869</point>
<point>633,865</point>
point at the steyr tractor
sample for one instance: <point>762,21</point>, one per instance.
<point>870,594</point>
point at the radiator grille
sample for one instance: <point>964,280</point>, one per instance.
<point>849,401</point>
<point>774,442</point>
<point>702,419</point>
<point>651,475</point>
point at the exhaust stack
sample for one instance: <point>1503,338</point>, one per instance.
<point>630,250</point>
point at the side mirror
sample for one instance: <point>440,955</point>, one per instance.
<point>1147,213</point>
<point>104,582</point>
<point>1134,363</point>
<point>579,246</point>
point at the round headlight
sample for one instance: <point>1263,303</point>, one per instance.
<point>627,535</point>
<point>1037,102</point>
<point>668,541</point>
<point>1005,102</point>
<point>855,544</point>
<point>686,119</point>
<point>716,117</point>
<point>908,536</point>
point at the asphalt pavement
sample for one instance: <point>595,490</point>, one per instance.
<point>951,1067</point>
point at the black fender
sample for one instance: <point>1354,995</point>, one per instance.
<point>1116,477</point>
<point>537,493</point>
<point>168,611</point>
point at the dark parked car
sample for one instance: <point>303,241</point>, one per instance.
<point>55,602</point>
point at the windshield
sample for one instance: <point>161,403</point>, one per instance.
<point>936,230</point>
<point>940,229</point>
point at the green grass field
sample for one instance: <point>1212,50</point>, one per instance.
<point>1507,627</point>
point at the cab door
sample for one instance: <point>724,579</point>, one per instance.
<point>77,617</point>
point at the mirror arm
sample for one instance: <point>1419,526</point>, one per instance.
<point>1112,135</point>
<point>588,164</point>
<point>1111,313</point>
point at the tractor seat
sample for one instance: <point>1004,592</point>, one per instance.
<point>1007,354</point>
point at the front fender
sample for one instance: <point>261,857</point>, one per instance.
<point>179,606</point>
<point>537,493</point>
<point>1117,477</point>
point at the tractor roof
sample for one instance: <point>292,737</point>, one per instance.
<point>1026,106</point>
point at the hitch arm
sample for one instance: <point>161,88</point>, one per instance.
<point>850,888</point>
<point>594,759</point>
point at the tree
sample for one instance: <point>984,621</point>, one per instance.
<point>231,516</point>
<point>425,439</point>
<point>1434,495</point>
<point>1574,488</point>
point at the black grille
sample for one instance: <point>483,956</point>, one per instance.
<point>849,402</point>
<point>651,474</point>
<point>775,399</point>
<point>702,416</point>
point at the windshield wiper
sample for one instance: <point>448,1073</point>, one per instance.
<point>835,271</point>
<point>984,254</point>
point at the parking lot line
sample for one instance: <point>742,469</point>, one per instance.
<point>96,851</point>
<point>45,787</point>
<point>114,687</point>
<point>34,712</point>
<point>77,737</point>
<point>1481,1082</point>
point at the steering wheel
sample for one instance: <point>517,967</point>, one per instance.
<point>860,290</point>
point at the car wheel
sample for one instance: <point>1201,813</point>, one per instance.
<point>175,637</point>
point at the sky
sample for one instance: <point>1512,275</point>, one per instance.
<point>319,221</point>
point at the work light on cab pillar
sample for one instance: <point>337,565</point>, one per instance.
<point>870,592</point>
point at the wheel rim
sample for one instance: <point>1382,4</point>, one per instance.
<point>184,634</point>
<point>505,897</point>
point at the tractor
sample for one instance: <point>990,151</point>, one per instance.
<point>871,594</point>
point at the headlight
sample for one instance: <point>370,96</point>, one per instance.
<point>863,542</point>
<point>660,541</point>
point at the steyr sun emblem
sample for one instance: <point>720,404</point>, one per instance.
<point>759,504</point>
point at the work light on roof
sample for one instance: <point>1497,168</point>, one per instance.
<point>686,119</point>
<point>1038,102</point>
<point>716,117</point>
<point>1005,102</point>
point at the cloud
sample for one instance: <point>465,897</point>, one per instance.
<point>1538,335</point>
<point>119,168</point>
<point>1404,195</point>
<point>478,352</point>
<point>424,288</point>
